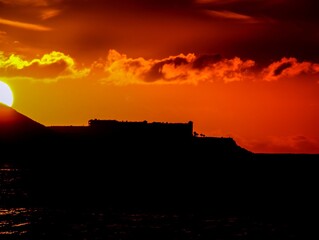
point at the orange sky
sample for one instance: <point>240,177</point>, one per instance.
<point>247,69</point>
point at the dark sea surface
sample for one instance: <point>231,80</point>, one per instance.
<point>23,217</point>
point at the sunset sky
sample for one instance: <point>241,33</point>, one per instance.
<point>246,69</point>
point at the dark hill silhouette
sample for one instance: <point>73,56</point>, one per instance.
<point>21,138</point>
<point>14,125</point>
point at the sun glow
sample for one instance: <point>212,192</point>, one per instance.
<point>6,95</point>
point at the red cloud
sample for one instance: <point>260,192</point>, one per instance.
<point>119,69</point>
<point>288,67</point>
<point>288,144</point>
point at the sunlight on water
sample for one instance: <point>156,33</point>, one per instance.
<point>14,221</point>
<point>13,191</point>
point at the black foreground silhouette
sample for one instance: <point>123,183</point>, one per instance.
<point>154,166</point>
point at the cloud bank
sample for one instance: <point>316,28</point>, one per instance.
<point>119,69</point>
<point>52,66</point>
<point>288,67</point>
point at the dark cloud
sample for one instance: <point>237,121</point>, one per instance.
<point>304,144</point>
<point>281,28</point>
<point>156,71</point>
<point>287,144</point>
<point>204,60</point>
<point>281,68</point>
<point>287,68</point>
<point>292,10</point>
<point>130,5</point>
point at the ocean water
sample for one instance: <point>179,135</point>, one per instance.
<point>33,223</point>
<point>23,218</point>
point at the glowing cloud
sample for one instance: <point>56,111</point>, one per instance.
<point>54,65</point>
<point>24,25</point>
<point>50,13</point>
<point>119,69</point>
<point>288,67</point>
<point>231,16</point>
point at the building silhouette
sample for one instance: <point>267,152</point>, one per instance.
<point>129,129</point>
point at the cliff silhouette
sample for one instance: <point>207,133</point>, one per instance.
<point>103,138</point>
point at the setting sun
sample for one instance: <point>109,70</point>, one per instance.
<point>6,96</point>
